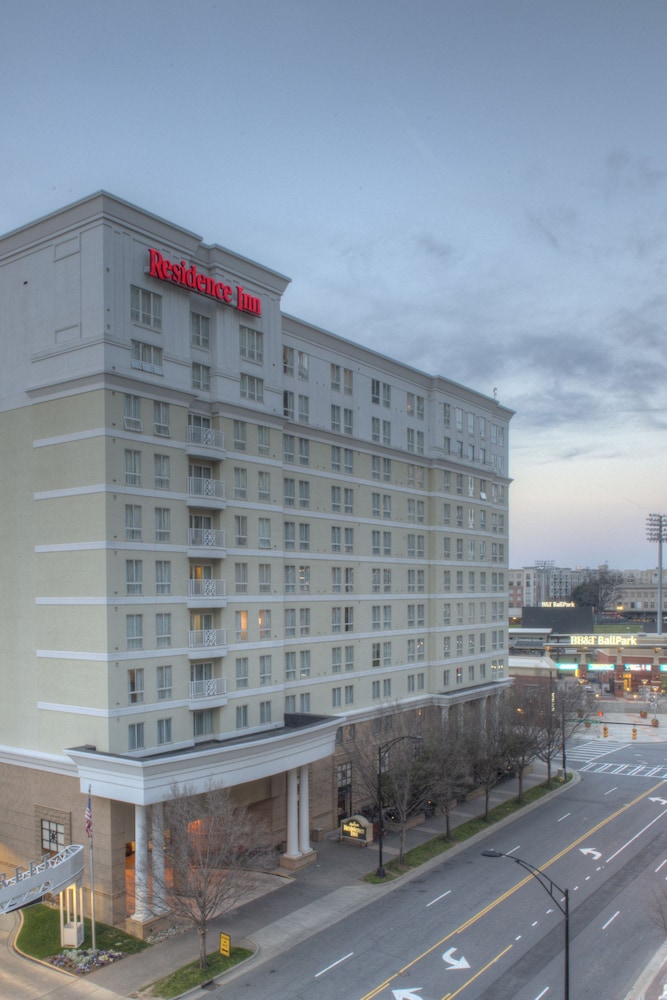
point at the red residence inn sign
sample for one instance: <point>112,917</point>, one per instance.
<point>190,277</point>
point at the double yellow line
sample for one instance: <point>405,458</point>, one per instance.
<point>501,899</point>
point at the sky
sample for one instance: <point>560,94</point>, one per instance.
<point>475,187</point>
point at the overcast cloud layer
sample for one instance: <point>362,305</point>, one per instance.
<point>476,187</point>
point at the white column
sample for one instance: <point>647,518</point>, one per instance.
<point>292,815</point>
<point>304,811</point>
<point>142,910</point>
<point>157,860</point>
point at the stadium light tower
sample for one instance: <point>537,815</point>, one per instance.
<point>656,531</point>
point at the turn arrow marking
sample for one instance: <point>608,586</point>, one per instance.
<point>408,994</point>
<point>662,802</point>
<point>591,850</point>
<point>454,963</point>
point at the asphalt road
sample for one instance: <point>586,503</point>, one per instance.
<point>484,929</point>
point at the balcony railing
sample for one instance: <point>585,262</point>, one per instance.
<point>206,538</point>
<point>206,437</point>
<point>206,638</point>
<point>206,489</point>
<point>214,687</point>
<point>206,588</point>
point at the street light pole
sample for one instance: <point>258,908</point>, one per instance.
<point>549,886</point>
<point>656,531</point>
<point>382,750</point>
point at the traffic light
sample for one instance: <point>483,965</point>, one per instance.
<point>634,732</point>
<point>605,730</point>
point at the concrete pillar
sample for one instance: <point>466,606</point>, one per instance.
<point>157,859</point>
<point>292,815</point>
<point>142,911</point>
<point>304,810</point>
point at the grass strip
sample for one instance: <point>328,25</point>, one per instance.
<point>39,936</point>
<point>191,975</point>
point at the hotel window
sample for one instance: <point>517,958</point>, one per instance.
<point>411,439</point>
<point>375,542</point>
<point>348,381</point>
<point>446,647</point>
<point>446,614</point>
<point>386,687</point>
<point>304,493</point>
<point>386,581</point>
<point>202,722</point>
<point>163,731</point>
<point>348,617</point>
<point>459,484</point>
<point>375,390</point>
<point>471,549</point>
<point>375,580</point>
<point>386,506</point>
<point>163,630</point>
<point>375,504</point>
<point>335,499</point>
<point>349,539</point>
<point>304,451</point>
<point>336,580</point>
<point>132,413</point>
<point>240,484</point>
<point>482,670</point>
<point>161,425</point>
<point>386,616</point>
<point>135,736</point>
<point>146,307</point>
<point>375,464</point>
<point>162,524</point>
<point>162,576</point>
<point>290,703</point>
<point>304,579</point>
<point>304,703</point>
<point>471,581</point>
<point>135,686</point>
<point>304,621</point>
<point>134,631</point>
<point>289,535</point>
<point>386,470</point>
<point>482,645</point>
<point>132,467</point>
<point>459,581</point>
<point>289,579</point>
<point>459,675</point>
<point>201,376</point>
<point>375,617</point>
<point>264,487</point>
<point>242,672</point>
<point>241,625</point>
<point>240,435</point>
<point>264,623</point>
<point>241,716</point>
<point>336,619</point>
<point>290,666</point>
<point>240,529</point>
<point>132,522</point>
<point>290,623</point>
<point>264,532</point>
<point>302,365</point>
<point>420,407</point>
<point>240,578</point>
<point>304,537</point>
<point>348,421</point>
<point>447,581</point>
<point>336,660</point>
<point>252,388</point>
<point>164,683</point>
<point>482,551</point>
<point>53,836</point>
<point>251,344</point>
<point>459,645</point>
<point>161,472</point>
<point>263,440</point>
<point>335,458</point>
<point>375,429</point>
<point>335,418</point>
<point>349,579</point>
<point>375,654</point>
<point>349,658</point>
<point>349,694</point>
<point>412,655</point>
<point>288,405</point>
<point>471,647</point>
<point>335,539</point>
<point>304,663</point>
<point>386,394</point>
<point>386,543</point>
<point>289,492</point>
<point>288,361</point>
<point>420,442</point>
<point>304,409</point>
<point>199,330</point>
<point>335,377</point>
<point>459,613</point>
<point>335,697</point>
<point>264,712</point>
<point>411,683</point>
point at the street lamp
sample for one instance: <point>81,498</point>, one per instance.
<point>382,750</point>
<point>656,531</point>
<point>549,886</point>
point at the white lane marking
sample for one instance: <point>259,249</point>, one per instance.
<point>438,898</point>
<point>563,817</point>
<point>643,830</point>
<point>604,926</point>
<point>334,964</point>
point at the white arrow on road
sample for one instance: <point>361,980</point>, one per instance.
<point>591,850</point>
<point>455,963</point>
<point>409,994</point>
<point>662,802</point>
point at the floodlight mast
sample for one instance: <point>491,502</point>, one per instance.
<point>656,531</point>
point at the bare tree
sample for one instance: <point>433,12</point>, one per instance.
<point>486,748</point>
<point>445,759</point>
<point>522,727</point>
<point>560,709</point>
<point>214,847</point>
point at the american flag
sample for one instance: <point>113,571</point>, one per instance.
<point>89,818</point>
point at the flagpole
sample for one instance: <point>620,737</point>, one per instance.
<point>89,831</point>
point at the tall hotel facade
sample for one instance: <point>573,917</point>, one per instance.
<point>233,542</point>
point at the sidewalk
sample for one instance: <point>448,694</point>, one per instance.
<point>295,907</point>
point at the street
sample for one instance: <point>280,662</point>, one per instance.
<point>484,929</point>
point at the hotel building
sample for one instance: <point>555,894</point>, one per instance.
<point>232,541</point>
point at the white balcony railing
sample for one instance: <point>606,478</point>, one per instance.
<point>206,538</point>
<point>207,437</point>
<point>209,489</point>
<point>206,588</point>
<point>214,687</point>
<point>206,638</point>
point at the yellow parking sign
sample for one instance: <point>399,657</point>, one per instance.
<point>225,945</point>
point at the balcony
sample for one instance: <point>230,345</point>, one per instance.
<point>208,540</point>
<point>206,492</point>
<point>210,693</point>
<point>206,442</point>
<point>206,593</point>
<point>212,641</point>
